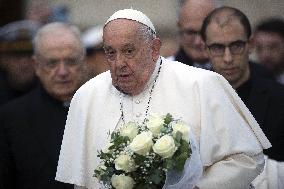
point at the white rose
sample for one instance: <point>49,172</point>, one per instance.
<point>165,146</point>
<point>130,130</point>
<point>181,127</point>
<point>125,163</point>
<point>122,182</point>
<point>155,124</point>
<point>142,143</point>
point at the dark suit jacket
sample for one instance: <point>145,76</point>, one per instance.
<point>183,58</point>
<point>31,133</point>
<point>265,99</point>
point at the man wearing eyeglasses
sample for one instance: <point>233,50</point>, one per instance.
<point>227,34</point>
<point>32,126</point>
<point>192,49</point>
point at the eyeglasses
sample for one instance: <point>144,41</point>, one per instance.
<point>52,63</point>
<point>236,48</point>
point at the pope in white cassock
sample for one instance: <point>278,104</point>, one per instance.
<point>141,82</point>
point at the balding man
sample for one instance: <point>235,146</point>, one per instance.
<point>227,34</point>
<point>192,49</point>
<point>32,126</point>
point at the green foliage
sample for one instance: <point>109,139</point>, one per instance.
<point>168,119</point>
<point>181,155</point>
<point>156,177</point>
<point>151,169</point>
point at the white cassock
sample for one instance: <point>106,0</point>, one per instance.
<point>229,138</point>
<point>272,177</point>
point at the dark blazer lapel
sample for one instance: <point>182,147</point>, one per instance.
<point>47,125</point>
<point>258,98</point>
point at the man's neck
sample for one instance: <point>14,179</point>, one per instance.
<point>242,80</point>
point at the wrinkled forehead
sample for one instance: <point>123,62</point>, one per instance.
<point>121,31</point>
<point>119,24</point>
<point>58,39</point>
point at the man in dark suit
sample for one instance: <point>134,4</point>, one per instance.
<point>227,34</point>
<point>32,126</point>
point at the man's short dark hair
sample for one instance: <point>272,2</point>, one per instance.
<point>271,25</point>
<point>236,13</point>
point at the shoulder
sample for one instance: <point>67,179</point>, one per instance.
<point>259,70</point>
<point>21,102</point>
<point>98,83</point>
<point>275,89</point>
<point>188,74</point>
<point>19,109</point>
<point>93,90</point>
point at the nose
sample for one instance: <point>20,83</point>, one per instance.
<point>62,69</point>
<point>198,40</point>
<point>264,55</point>
<point>227,57</point>
<point>120,60</point>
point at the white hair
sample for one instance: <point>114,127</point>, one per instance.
<point>54,26</point>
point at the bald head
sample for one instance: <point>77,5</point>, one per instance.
<point>191,16</point>
<point>226,15</point>
<point>196,9</point>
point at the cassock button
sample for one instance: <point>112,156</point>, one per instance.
<point>138,114</point>
<point>137,101</point>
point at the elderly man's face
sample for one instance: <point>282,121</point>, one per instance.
<point>270,50</point>
<point>228,51</point>
<point>132,59</point>
<point>59,65</point>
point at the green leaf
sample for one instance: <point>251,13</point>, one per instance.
<point>180,161</point>
<point>185,147</point>
<point>169,163</point>
<point>168,119</point>
<point>181,155</point>
<point>178,136</point>
<point>156,176</point>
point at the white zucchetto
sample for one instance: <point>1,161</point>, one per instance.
<point>132,14</point>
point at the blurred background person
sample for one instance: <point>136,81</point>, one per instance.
<point>41,12</point>
<point>17,74</point>
<point>32,126</point>
<point>96,62</point>
<point>38,12</point>
<point>269,46</point>
<point>192,49</point>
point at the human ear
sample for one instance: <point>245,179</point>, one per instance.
<point>156,46</point>
<point>36,65</point>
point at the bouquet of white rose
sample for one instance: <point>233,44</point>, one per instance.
<point>139,156</point>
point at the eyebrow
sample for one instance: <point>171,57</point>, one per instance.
<point>127,45</point>
<point>238,40</point>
